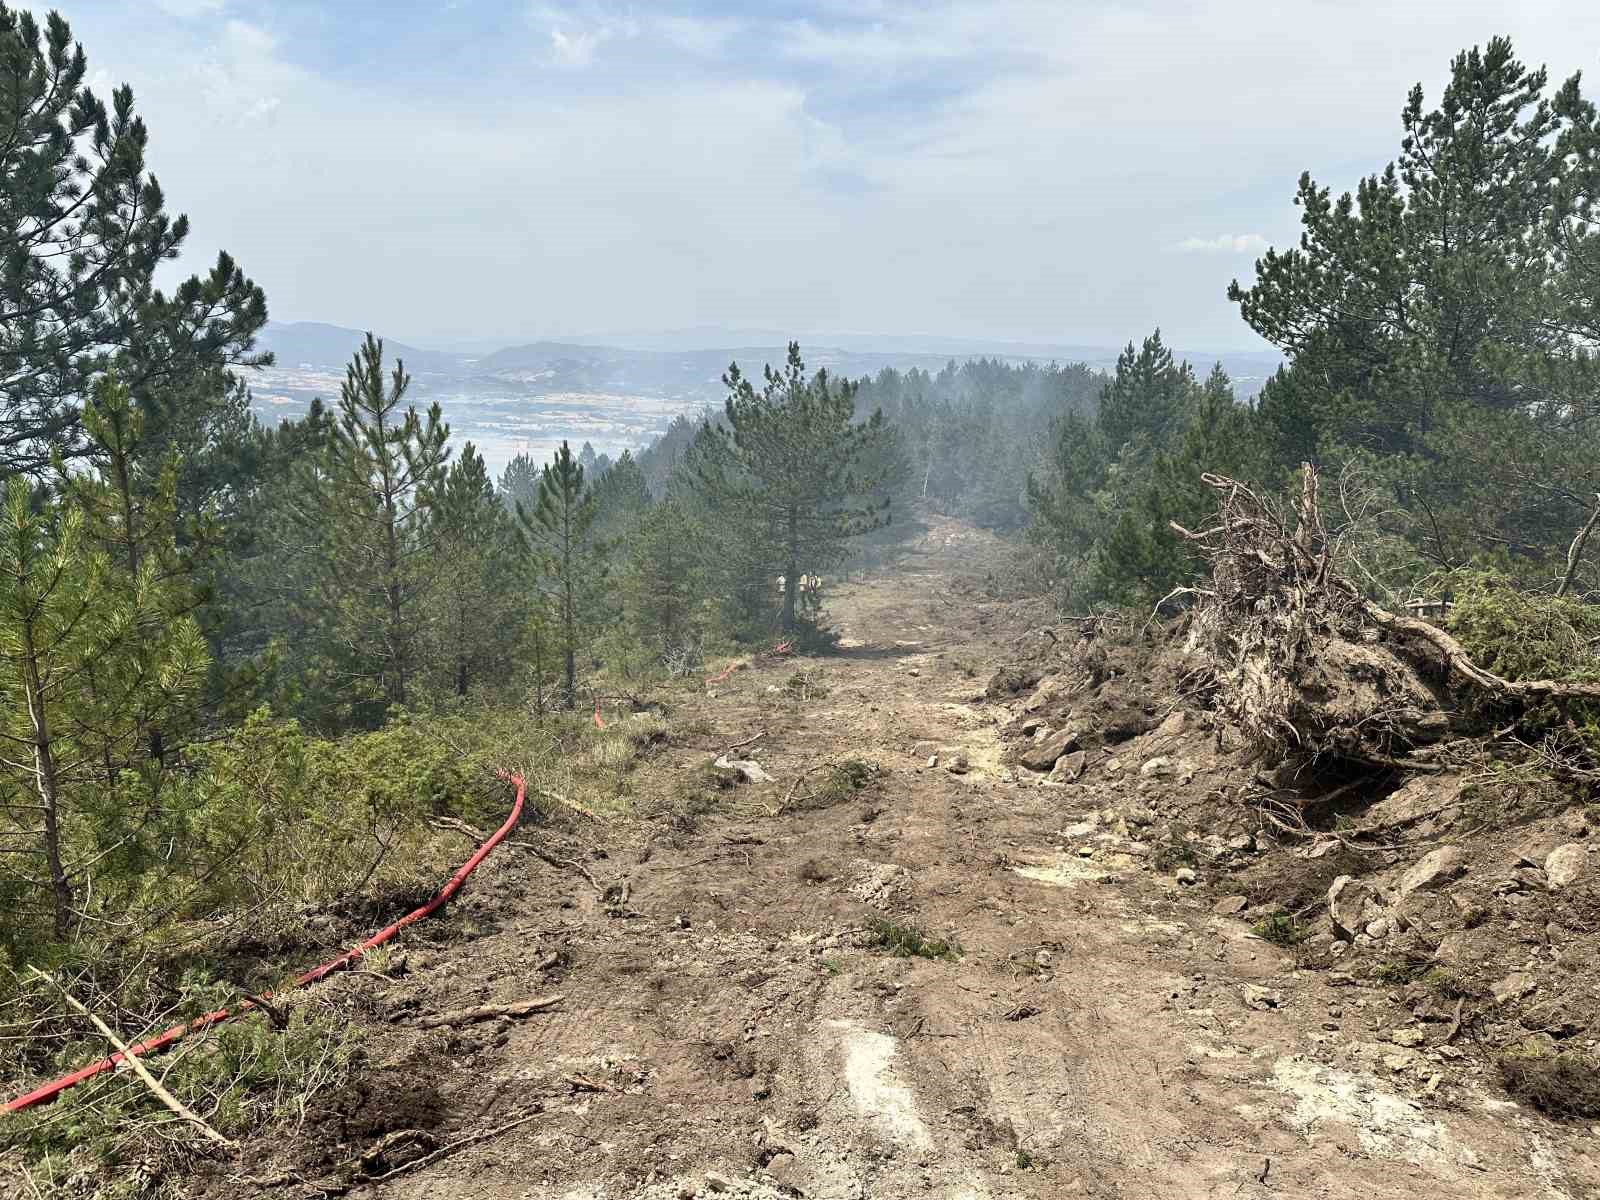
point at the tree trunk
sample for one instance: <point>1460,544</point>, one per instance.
<point>569,634</point>
<point>791,581</point>
<point>46,783</point>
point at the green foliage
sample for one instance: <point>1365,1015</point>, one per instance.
<point>374,486</point>
<point>85,229</point>
<point>1439,322</point>
<point>1114,481</point>
<point>964,432</point>
<point>100,659</point>
<point>905,940</point>
<point>1523,635</point>
<point>791,477</point>
<point>246,1075</point>
<point>1281,929</point>
<point>558,533</point>
<point>478,608</point>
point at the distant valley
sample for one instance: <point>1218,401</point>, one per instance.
<point>528,398</point>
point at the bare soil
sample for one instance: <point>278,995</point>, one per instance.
<point>729,1027</point>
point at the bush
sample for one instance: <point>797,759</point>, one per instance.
<point>1523,635</point>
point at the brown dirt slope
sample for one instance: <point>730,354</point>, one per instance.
<point>1092,1028</point>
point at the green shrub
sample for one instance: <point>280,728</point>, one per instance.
<point>909,941</point>
<point>1280,929</point>
<point>1524,635</point>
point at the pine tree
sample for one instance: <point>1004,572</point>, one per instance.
<point>663,581</point>
<point>476,564</point>
<point>786,476</point>
<point>558,532</point>
<point>83,231</point>
<point>376,483</point>
<point>519,483</point>
<point>99,650</point>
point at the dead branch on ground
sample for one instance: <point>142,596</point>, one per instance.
<point>489,1012</point>
<point>150,1081</point>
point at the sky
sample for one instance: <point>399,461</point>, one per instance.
<point>1064,171</point>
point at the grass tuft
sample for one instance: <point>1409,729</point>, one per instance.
<point>909,941</point>
<point>1558,1085</point>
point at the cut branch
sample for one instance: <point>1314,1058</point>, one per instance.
<point>488,1012</point>
<point>150,1081</point>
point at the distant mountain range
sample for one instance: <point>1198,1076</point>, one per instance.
<point>620,393</point>
<point>690,362</point>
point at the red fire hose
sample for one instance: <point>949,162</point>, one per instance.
<point>50,1091</point>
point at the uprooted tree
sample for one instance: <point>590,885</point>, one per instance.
<point>1308,666</point>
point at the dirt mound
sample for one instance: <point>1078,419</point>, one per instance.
<point>1454,915</point>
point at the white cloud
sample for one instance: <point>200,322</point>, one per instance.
<point>577,33</point>
<point>765,170</point>
<point>575,49</point>
<point>1224,243</point>
<point>188,9</point>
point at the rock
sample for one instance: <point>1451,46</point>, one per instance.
<point>1338,949</point>
<point>1173,725</point>
<point>913,672</point>
<point>1185,875</point>
<point>1069,767</point>
<point>1085,851</point>
<point>1031,726</point>
<point>717,1183</point>
<point>1409,1036</point>
<point>958,765</point>
<point>1260,998</point>
<point>1347,900</point>
<point>1378,929</point>
<point>1435,869</point>
<point>1574,823</point>
<point>1047,690</point>
<point>1139,816</point>
<point>933,761</point>
<point>1158,767</point>
<point>1513,987</point>
<point>1558,1017</point>
<point>746,769</point>
<point>1113,766</point>
<point>1465,948</point>
<point>1230,906</point>
<point>1241,843</point>
<point>1010,681</point>
<point>1042,755</point>
<point>781,1166</point>
<point>1403,1061</point>
<point>1566,864</point>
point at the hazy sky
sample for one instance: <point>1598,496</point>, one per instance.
<point>1071,172</point>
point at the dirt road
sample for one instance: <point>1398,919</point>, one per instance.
<point>727,1028</point>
